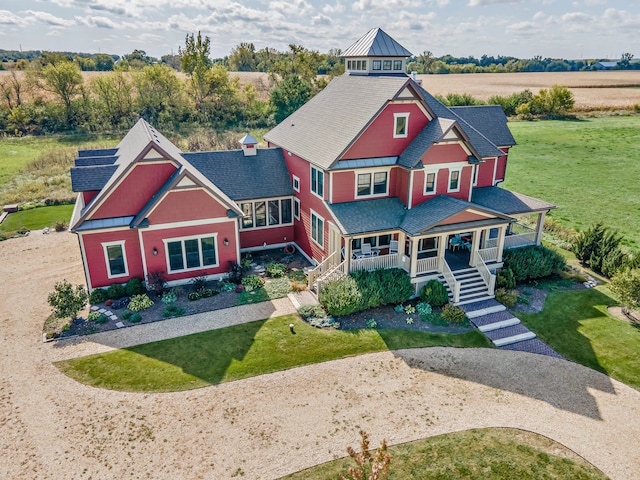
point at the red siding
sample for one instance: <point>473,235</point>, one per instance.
<point>88,196</point>
<point>302,229</point>
<point>442,184</point>
<point>378,141</point>
<point>275,235</point>
<point>154,238</point>
<point>96,263</point>
<point>401,181</point>
<point>141,183</point>
<point>502,167</point>
<point>344,185</point>
<point>485,173</point>
<point>445,154</point>
<point>187,205</point>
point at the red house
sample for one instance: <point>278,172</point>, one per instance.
<point>373,172</point>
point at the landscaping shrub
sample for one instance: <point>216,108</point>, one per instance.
<point>116,291</point>
<point>66,300</point>
<point>363,290</point>
<point>208,292</point>
<point>140,302</point>
<point>506,279</point>
<point>452,313</point>
<point>307,311</point>
<point>424,310</point>
<point>235,272</point>
<point>341,297</point>
<point>227,286</point>
<point>198,283</point>
<point>193,296</point>
<point>317,317</point>
<point>251,282</point>
<point>93,316</point>
<point>169,297</point>
<point>599,247</point>
<point>434,293</point>
<point>99,295</point>
<point>135,318</point>
<point>173,311</point>
<point>533,262</point>
<point>134,287</point>
<point>626,286</point>
<point>126,315</point>
<point>60,226</point>
<point>156,282</point>
<point>506,297</point>
<point>275,270</point>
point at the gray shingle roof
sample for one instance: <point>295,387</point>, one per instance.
<point>508,202</point>
<point>489,120</point>
<point>88,161</point>
<point>430,134</point>
<point>369,216</point>
<point>84,179</point>
<point>99,152</point>
<point>325,126</point>
<point>241,178</point>
<point>376,43</point>
<point>479,142</point>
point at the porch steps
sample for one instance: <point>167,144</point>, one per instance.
<point>472,286</point>
<point>503,329</point>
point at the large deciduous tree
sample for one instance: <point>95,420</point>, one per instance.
<point>289,95</point>
<point>114,99</point>
<point>160,95</point>
<point>63,79</point>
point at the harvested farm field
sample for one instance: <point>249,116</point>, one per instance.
<point>598,90</point>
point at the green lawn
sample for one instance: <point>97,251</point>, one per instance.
<point>37,218</point>
<point>241,351</point>
<point>576,325</point>
<point>589,168</point>
<point>492,453</point>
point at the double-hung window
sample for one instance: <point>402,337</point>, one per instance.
<point>454,180</point>
<point>317,182</point>
<point>430,183</point>
<point>401,125</point>
<point>115,258</point>
<point>296,208</point>
<point>372,184</point>
<point>317,229</point>
<point>191,253</point>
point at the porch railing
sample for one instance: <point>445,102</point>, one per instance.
<point>453,284</point>
<point>336,273</point>
<point>488,277</point>
<point>321,268</point>
<point>489,254</point>
<point>520,240</point>
<point>375,263</point>
<point>425,265</point>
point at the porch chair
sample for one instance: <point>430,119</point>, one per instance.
<point>455,243</point>
<point>365,250</point>
<point>393,247</point>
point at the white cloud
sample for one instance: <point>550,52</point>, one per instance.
<point>484,3</point>
<point>9,18</point>
<point>369,5</point>
<point>49,19</point>
<point>333,9</point>
<point>321,20</point>
<point>99,21</point>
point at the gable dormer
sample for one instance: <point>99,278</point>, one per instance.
<point>376,53</point>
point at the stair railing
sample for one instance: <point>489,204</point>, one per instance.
<point>488,277</point>
<point>454,285</point>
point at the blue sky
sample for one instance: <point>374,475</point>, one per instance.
<point>550,28</point>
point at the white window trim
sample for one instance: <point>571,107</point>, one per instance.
<point>166,242</point>
<point>266,201</point>
<point>296,181</point>
<point>474,176</point>
<point>451,170</point>
<point>372,172</point>
<point>124,258</point>
<point>313,213</point>
<point>296,201</point>
<point>435,182</point>
<point>311,169</point>
<point>396,116</point>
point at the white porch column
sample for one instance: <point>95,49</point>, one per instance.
<point>540,227</point>
<point>347,252</point>
<point>414,257</point>
<point>475,240</point>
<point>401,241</point>
<point>500,243</point>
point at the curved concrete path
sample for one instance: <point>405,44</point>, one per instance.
<point>268,426</point>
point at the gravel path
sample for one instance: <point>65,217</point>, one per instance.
<point>264,427</point>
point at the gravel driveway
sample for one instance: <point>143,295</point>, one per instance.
<point>264,427</point>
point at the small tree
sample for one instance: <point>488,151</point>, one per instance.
<point>371,466</point>
<point>66,300</point>
<point>626,286</point>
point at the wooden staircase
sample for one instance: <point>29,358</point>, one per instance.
<point>472,286</point>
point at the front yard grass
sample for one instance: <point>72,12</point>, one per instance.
<point>492,453</point>
<point>37,218</point>
<point>241,351</point>
<point>576,324</point>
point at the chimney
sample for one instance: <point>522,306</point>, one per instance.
<point>414,77</point>
<point>249,145</point>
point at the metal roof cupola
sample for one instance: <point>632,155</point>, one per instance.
<point>376,53</point>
